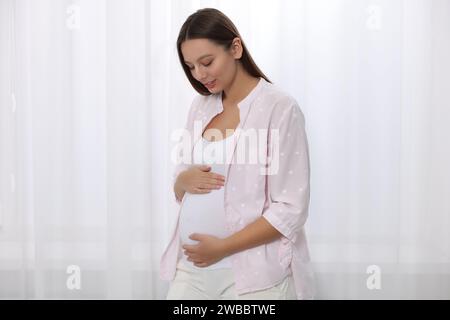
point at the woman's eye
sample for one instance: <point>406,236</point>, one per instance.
<point>206,65</point>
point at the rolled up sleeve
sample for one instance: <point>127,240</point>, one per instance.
<point>289,182</point>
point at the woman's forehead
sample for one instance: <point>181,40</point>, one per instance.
<point>196,49</point>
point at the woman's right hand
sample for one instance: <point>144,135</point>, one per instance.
<point>199,180</point>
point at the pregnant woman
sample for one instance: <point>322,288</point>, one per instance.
<point>240,226</point>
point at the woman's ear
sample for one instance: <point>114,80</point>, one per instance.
<point>237,48</point>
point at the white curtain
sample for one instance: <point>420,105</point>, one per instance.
<point>91,90</point>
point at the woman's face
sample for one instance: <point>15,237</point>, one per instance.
<point>209,62</point>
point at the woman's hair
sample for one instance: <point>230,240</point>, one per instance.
<point>212,24</point>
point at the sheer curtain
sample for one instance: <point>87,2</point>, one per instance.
<point>91,91</point>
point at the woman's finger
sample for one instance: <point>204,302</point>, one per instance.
<point>200,191</point>
<point>215,182</point>
<point>201,264</point>
<point>208,186</point>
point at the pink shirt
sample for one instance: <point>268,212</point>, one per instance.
<point>276,188</point>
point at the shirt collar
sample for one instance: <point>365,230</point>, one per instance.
<point>246,101</point>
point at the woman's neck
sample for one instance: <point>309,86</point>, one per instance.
<point>240,87</point>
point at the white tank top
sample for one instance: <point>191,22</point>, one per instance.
<point>205,213</point>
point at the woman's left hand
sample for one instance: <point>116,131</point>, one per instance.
<point>207,251</point>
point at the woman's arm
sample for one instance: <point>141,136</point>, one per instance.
<point>255,234</point>
<point>211,249</point>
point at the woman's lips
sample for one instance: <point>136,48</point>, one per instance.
<point>211,84</point>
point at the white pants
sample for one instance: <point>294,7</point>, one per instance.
<point>218,284</point>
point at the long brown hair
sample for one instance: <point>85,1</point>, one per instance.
<point>212,24</point>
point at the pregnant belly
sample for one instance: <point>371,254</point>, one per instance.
<point>204,214</point>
